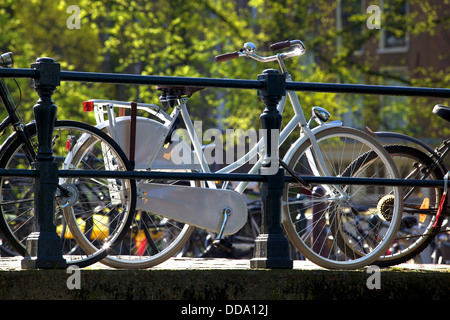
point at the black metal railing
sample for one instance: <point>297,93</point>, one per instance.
<point>271,252</point>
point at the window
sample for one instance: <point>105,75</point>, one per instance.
<point>346,9</point>
<point>394,13</point>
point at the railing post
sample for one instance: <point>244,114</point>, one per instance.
<point>44,245</point>
<point>271,246</point>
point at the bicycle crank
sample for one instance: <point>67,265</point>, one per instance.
<point>199,207</point>
<point>221,242</point>
<point>67,194</point>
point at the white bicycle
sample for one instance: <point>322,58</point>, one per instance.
<point>320,222</point>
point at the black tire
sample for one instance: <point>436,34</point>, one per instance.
<point>428,227</point>
<point>414,235</point>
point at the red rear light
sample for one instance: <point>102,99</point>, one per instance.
<point>88,106</point>
<point>69,143</point>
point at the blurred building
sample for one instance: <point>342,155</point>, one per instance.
<point>394,53</point>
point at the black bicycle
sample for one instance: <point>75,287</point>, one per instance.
<point>100,208</point>
<point>424,208</point>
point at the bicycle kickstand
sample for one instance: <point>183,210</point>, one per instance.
<point>297,178</point>
<point>221,242</point>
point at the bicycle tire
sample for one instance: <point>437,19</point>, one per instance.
<point>68,135</point>
<point>308,218</point>
<point>418,227</point>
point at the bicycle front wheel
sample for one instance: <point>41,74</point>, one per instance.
<point>96,210</point>
<point>338,226</point>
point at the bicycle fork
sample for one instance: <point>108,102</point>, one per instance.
<point>318,165</point>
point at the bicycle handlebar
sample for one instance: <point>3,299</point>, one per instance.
<point>280,45</point>
<point>227,56</point>
<point>298,49</point>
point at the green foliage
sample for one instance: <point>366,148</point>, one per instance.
<point>181,38</point>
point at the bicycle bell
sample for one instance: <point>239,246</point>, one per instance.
<point>249,47</point>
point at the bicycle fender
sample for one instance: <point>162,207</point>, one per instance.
<point>291,151</point>
<point>400,136</point>
<point>199,207</point>
<point>151,152</point>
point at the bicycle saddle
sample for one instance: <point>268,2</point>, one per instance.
<point>178,90</point>
<point>170,94</point>
<point>442,111</point>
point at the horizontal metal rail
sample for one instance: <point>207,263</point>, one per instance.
<point>19,173</point>
<point>160,80</point>
<point>246,177</point>
<point>17,73</point>
<point>253,84</point>
<point>368,89</point>
<point>223,177</point>
<point>231,83</point>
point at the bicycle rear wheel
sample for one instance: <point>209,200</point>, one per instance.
<point>419,226</point>
<point>101,208</point>
<point>331,222</point>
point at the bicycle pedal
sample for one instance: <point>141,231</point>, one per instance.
<point>223,244</point>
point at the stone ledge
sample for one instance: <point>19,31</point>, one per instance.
<point>222,279</point>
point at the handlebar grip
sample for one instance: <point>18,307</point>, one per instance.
<point>280,45</point>
<point>227,56</point>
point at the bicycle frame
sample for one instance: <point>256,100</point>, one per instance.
<point>317,162</point>
<point>102,107</point>
<point>13,119</point>
<point>305,133</point>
